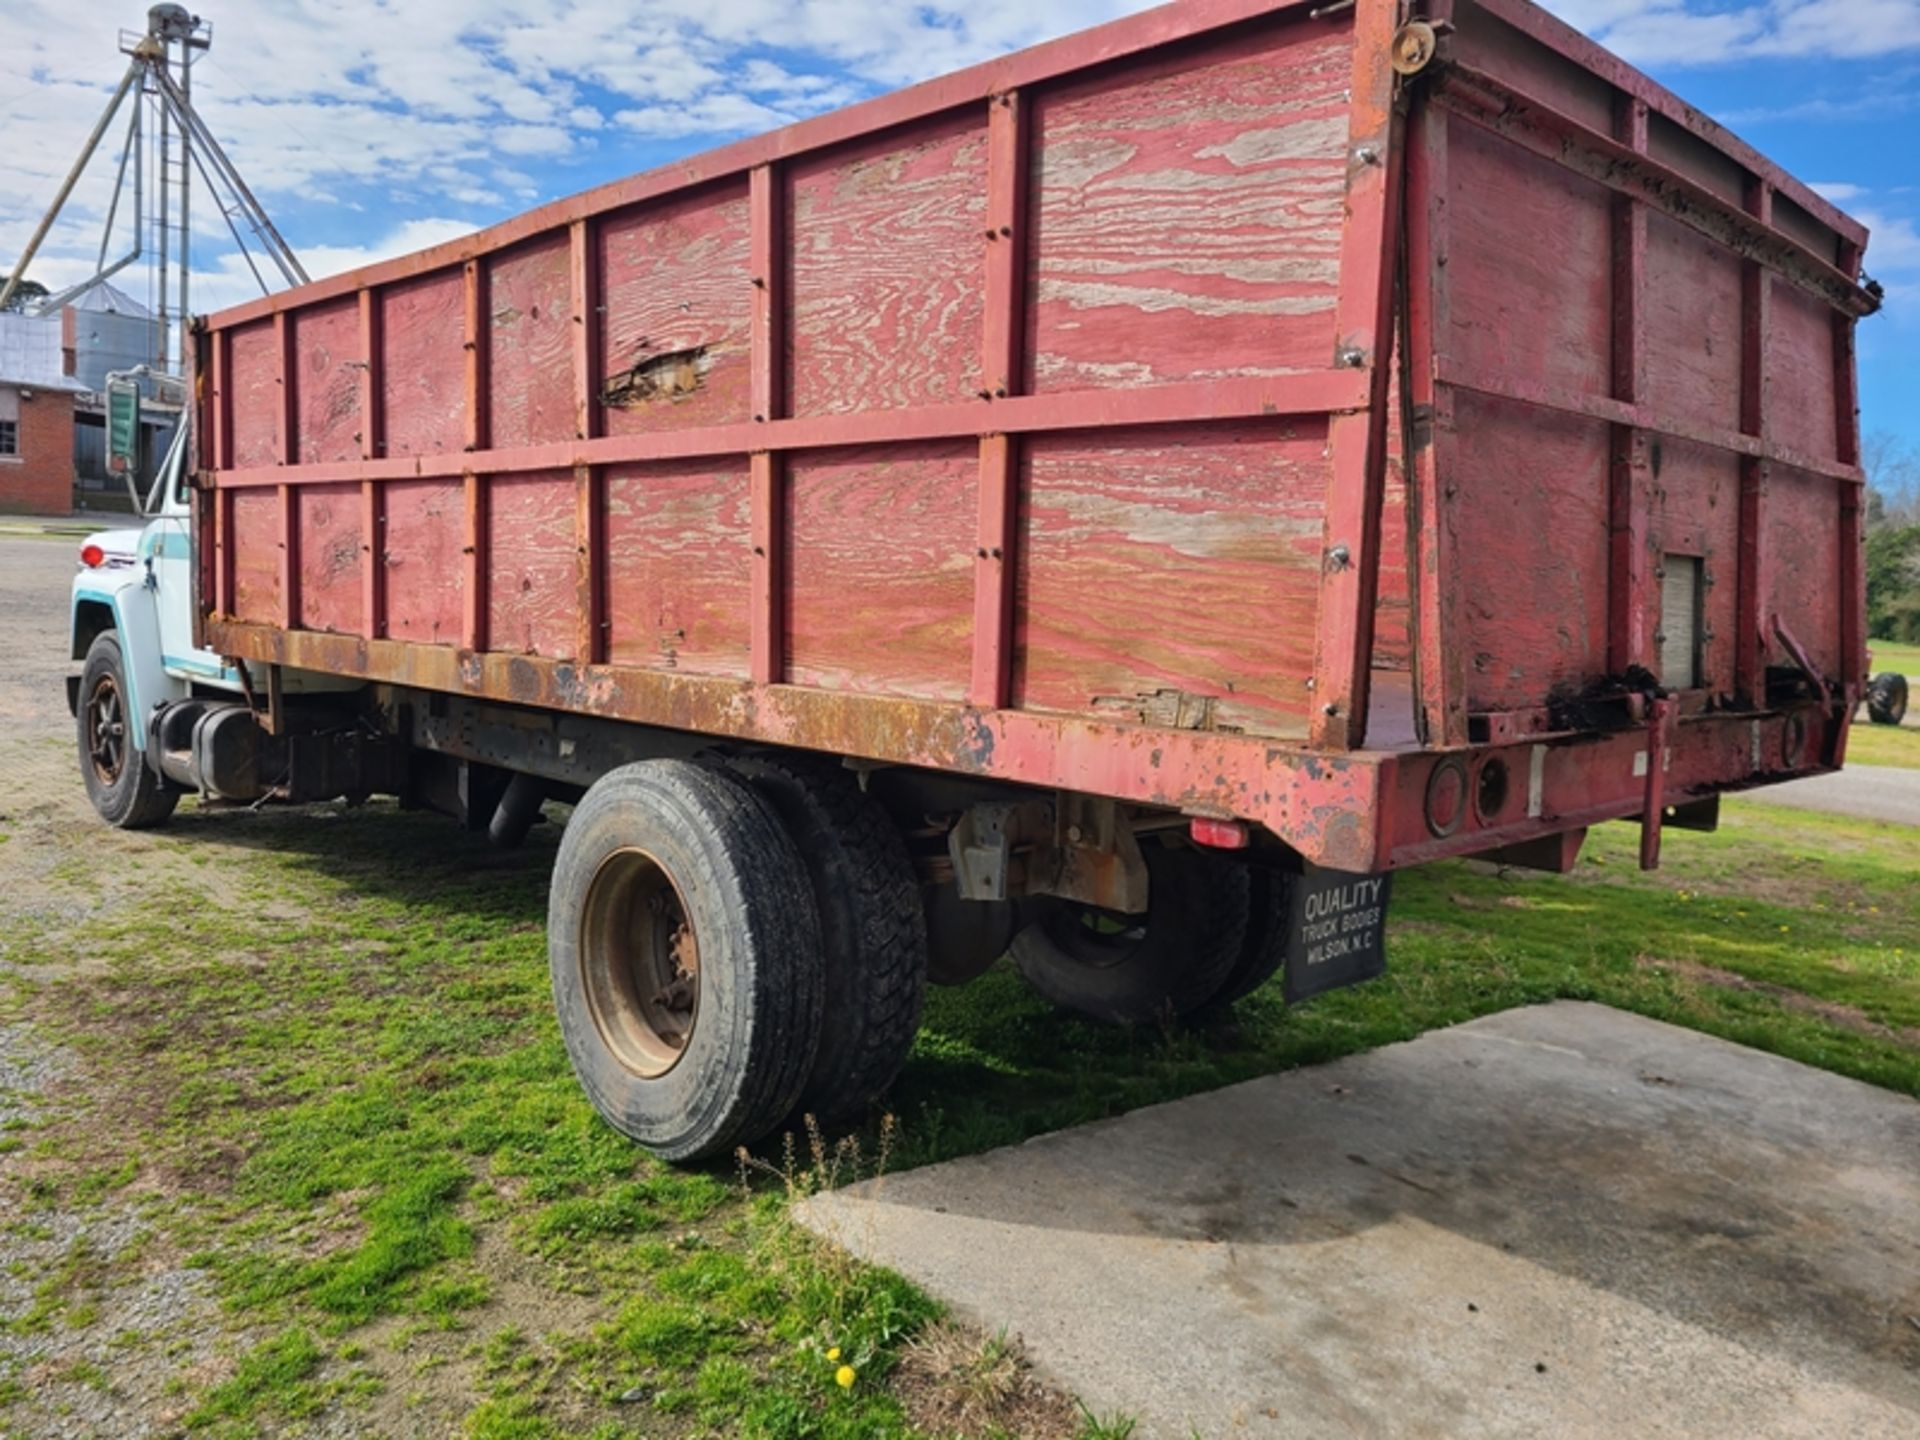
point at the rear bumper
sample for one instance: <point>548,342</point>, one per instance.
<point>1520,792</point>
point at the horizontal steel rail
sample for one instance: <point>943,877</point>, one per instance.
<point>1640,417</point>
<point>1313,392</point>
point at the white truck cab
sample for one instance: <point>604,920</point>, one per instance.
<point>131,626</point>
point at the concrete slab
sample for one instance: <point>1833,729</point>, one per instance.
<point>1562,1220</point>
<point>1866,792</point>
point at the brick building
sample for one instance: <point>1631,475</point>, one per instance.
<point>36,448</point>
<point>52,414</point>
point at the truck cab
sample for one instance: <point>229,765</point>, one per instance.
<point>145,686</point>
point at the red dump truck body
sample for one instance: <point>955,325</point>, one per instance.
<point>1197,412</point>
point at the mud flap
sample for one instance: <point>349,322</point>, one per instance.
<point>1336,931</point>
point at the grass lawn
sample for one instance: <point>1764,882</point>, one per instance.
<point>342,1092</point>
<point>1892,655</point>
<point>1896,745</point>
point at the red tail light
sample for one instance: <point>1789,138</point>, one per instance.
<point>92,556</point>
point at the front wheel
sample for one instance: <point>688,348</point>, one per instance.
<point>125,788</point>
<point>685,956</point>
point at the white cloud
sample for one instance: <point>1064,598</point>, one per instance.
<point>1675,33</point>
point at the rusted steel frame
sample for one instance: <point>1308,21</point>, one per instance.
<point>590,589</point>
<point>372,444</point>
<point>1496,106</point>
<point>1756,307</point>
<point>289,557</point>
<point>1327,808</point>
<point>286,451</point>
<point>1133,35</point>
<point>223,551</point>
<point>766,470</point>
<point>1653,812</point>
<point>1363,340</point>
<point>478,342</point>
<point>1002,375</point>
<point>1316,392</point>
<point>1549,30</point>
<point>1439,679</point>
<point>218,344</point>
<point>1597,407</point>
<point>1846,440</point>
<point>583,289</point>
<point>473,619</point>
<point>1628,592</point>
<point>286,379</point>
<point>767,632</point>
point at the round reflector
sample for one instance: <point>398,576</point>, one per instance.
<point>92,556</point>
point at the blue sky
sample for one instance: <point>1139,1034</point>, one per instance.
<point>372,127</point>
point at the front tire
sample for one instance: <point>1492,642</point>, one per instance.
<point>125,789</point>
<point>1128,970</point>
<point>685,957</point>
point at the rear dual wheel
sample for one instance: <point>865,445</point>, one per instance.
<point>685,958</point>
<point>732,948</point>
<point>1132,969</point>
<point>1214,932</point>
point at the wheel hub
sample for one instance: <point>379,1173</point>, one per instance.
<point>639,963</point>
<point>106,731</point>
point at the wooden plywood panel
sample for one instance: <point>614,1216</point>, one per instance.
<point>1529,268</point>
<point>1694,510</point>
<point>425,561</point>
<point>887,264</point>
<point>1798,410</point>
<point>256,556</point>
<point>423,365</point>
<point>1186,221</point>
<point>532,553</point>
<point>1172,573</point>
<point>531,361</point>
<point>1692,323</point>
<point>1528,506</point>
<point>254,386</point>
<point>326,397</point>
<point>678,296</point>
<point>678,567</point>
<point>332,533</point>
<point>1801,532</point>
<point>880,569</point>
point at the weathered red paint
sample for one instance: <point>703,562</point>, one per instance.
<point>1042,422</point>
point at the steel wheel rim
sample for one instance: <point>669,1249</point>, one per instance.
<point>639,963</point>
<point>106,731</point>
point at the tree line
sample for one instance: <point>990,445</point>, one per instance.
<point>1893,538</point>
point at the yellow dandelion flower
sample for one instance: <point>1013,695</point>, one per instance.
<point>834,1353</point>
<point>844,1377</point>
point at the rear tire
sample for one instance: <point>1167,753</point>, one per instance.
<point>1887,699</point>
<point>685,957</point>
<point>125,789</point>
<point>1263,953</point>
<point>1128,970</point>
<point>872,929</point>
